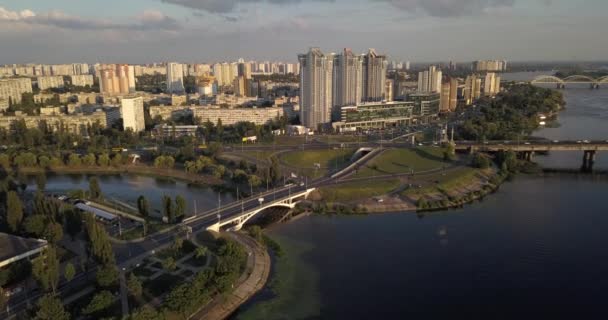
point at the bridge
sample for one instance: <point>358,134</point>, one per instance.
<point>526,149</point>
<point>245,215</point>
<point>574,79</point>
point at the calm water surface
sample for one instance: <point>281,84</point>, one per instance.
<point>535,250</point>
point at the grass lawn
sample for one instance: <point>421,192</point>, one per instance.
<point>397,161</point>
<point>262,155</point>
<point>341,138</point>
<point>305,160</point>
<point>358,190</point>
<point>447,182</point>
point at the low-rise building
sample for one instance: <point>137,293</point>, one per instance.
<point>76,123</point>
<point>49,82</point>
<point>230,116</point>
<point>425,103</point>
<point>176,131</point>
<point>13,89</point>
<point>82,80</point>
<point>375,115</point>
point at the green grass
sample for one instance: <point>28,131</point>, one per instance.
<point>340,138</point>
<point>262,155</point>
<point>329,160</point>
<point>449,182</point>
<point>396,161</point>
<point>358,190</point>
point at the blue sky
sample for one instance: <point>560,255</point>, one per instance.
<point>138,31</point>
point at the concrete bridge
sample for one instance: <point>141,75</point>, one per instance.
<point>239,219</point>
<point>526,149</point>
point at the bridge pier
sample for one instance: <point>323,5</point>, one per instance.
<point>588,161</point>
<point>526,155</point>
<point>595,86</point>
<point>214,227</point>
<point>561,86</point>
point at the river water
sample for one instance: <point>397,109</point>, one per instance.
<point>534,250</point>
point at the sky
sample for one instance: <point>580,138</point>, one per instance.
<point>144,31</point>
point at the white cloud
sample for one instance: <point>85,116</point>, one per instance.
<point>148,20</point>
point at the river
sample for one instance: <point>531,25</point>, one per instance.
<point>534,250</point>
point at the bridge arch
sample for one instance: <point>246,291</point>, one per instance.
<point>602,80</point>
<point>579,78</point>
<point>547,79</point>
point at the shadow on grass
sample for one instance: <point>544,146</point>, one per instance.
<point>426,155</point>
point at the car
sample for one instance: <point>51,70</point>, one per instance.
<point>586,141</point>
<point>579,141</point>
<point>527,143</point>
<point>555,141</point>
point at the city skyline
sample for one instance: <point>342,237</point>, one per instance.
<point>144,31</point>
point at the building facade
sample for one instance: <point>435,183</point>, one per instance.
<point>13,89</point>
<point>430,80</point>
<point>175,78</point>
<point>374,115</point>
<point>348,79</point>
<point>374,76</point>
<point>132,111</point>
<point>316,96</point>
<point>49,82</point>
<point>82,80</point>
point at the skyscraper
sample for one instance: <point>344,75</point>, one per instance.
<point>116,79</point>
<point>430,81</point>
<point>374,76</point>
<point>175,78</point>
<point>348,79</point>
<point>315,88</point>
<point>491,84</point>
<point>472,89</point>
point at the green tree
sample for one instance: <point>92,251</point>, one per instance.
<point>46,270</point>
<point>51,308</point>
<point>53,232</point>
<point>99,242</point>
<point>99,302</point>
<point>181,299</point>
<point>480,161</point>
<point>5,161</point>
<point>146,313</point>
<point>200,252</point>
<point>69,271</point>
<point>44,162</point>
<point>180,207</point>
<point>89,160</point>
<point>35,225</point>
<point>134,286</point>
<point>169,264</point>
<point>178,244</point>
<point>116,160</point>
<point>107,276</point>
<point>74,160</point>
<point>143,206</point>
<point>168,209</point>
<point>103,160</point>
<point>14,211</point>
<point>94,188</point>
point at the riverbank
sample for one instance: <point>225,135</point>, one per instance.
<point>203,180</point>
<point>251,281</point>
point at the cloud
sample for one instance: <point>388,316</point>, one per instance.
<point>226,6</point>
<point>450,8</point>
<point>148,20</point>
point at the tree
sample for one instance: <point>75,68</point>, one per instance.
<point>35,225</point>
<point>74,160</point>
<point>3,299</point>
<point>180,207</point>
<point>69,271</point>
<point>53,232</point>
<point>168,209</point>
<point>51,308</point>
<point>73,223</point>
<point>94,188</point>
<point>200,252</point>
<point>146,313</point>
<point>46,269</point>
<point>103,160</point>
<point>169,264</point>
<point>99,243</point>
<point>143,206</point>
<point>89,160</point>
<point>181,299</point>
<point>134,286</point>
<point>178,244</point>
<point>480,161</point>
<point>99,302</point>
<point>14,211</point>
<point>5,161</point>
<point>107,276</point>
<point>116,160</point>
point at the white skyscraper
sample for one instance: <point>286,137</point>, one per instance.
<point>348,79</point>
<point>315,88</point>
<point>132,111</point>
<point>374,76</point>
<point>175,78</point>
<point>430,81</point>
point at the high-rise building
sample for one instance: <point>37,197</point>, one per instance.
<point>116,79</point>
<point>491,84</point>
<point>175,77</point>
<point>11,90</point>
<point>315,88</point>
<point>132,111</point>
<point>449,95</point>
<point>244,69</point>
<point>348,79</point>
<point>374,76</point>
<point>472,89</point>
<point>82,80</point>
<point>430,81</point>
<point>490,66</point>
<point>389,90</point>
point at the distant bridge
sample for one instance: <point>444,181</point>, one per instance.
<point>238,221</point>
<point>574,79</point>
<point>526,149</point>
